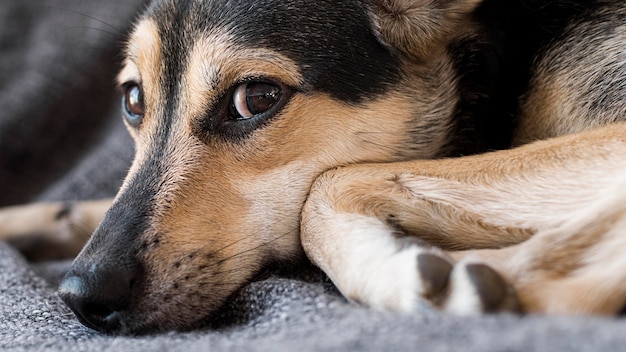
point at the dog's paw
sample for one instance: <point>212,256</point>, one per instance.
<point>465,288</point>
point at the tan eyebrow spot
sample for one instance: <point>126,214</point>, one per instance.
<point>143,65</point>
<point>129,73</point>
<point>143,59</point>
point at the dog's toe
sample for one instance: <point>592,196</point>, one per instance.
<point>434,273</point>
<point>490,286</point>
<point>476,288</point>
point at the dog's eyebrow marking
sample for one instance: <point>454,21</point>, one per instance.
<point>129,72</point>
<point>143,58</point>
<point>143,65</point>
<point>144,42</point>
<point>216,62</point>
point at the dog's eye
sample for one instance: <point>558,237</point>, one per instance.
<point>253,99</point>
<point>133,103</point>
<point>245,108</point>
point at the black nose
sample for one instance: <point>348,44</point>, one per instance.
<point>98,295</point>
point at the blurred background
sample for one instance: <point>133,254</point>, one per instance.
<point>61,132</point>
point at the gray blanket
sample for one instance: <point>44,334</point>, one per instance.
<point>61,137</point>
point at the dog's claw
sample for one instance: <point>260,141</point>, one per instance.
<point>435,274</point>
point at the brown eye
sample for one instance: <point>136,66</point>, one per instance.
<point>133,103</point>
<point>253,99</point>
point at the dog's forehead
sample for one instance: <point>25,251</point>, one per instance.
<point>332,41</point>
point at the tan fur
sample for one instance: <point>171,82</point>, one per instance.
<point>418,29</point>
<point>485,201</point>
<point>575,268</point>
<point>574,84</point>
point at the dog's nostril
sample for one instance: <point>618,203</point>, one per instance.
<point>97,312</point>
<point>100,317</point>
<point>98,299</point>
<point>76,294</point>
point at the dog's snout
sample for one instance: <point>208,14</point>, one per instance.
<point>98,295</point>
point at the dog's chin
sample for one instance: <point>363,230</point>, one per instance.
<point>141,323</point>
<point>152,316</point>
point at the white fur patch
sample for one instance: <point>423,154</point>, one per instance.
<point>462,298</point>
<point>362,258</point>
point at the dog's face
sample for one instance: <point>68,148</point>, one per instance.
<point>236,107</point>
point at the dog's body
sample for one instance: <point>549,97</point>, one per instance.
<point>267,130</point>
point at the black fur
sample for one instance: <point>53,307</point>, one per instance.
<point>335,46</point>
<point>332,41</point>
<point>495,66</point>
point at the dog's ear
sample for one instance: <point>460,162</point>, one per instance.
<point>418,28</point>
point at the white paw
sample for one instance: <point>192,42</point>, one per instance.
<point>370,264</point>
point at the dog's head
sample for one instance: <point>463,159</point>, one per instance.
<point>236,107</point>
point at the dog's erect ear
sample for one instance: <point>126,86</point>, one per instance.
<point>417,28</point>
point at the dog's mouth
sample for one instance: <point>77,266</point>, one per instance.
<point>127,302</point>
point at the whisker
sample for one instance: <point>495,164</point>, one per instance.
<point>227,283</point>
<point>226,271</point>
<point>114,34</point>
<point>227,246</point>
<point>82,227</point>
<point>252,249</point>
<point>372,132</point>
<point>393,149</point>
<point>117,30</point>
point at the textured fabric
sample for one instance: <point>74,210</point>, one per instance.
<point>61,137</point>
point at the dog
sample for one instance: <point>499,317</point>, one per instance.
<point>466,153</point>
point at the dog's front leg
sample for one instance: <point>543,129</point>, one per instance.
<point>366,230</point>
<point>51,230</point>
<point>358,220</point>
